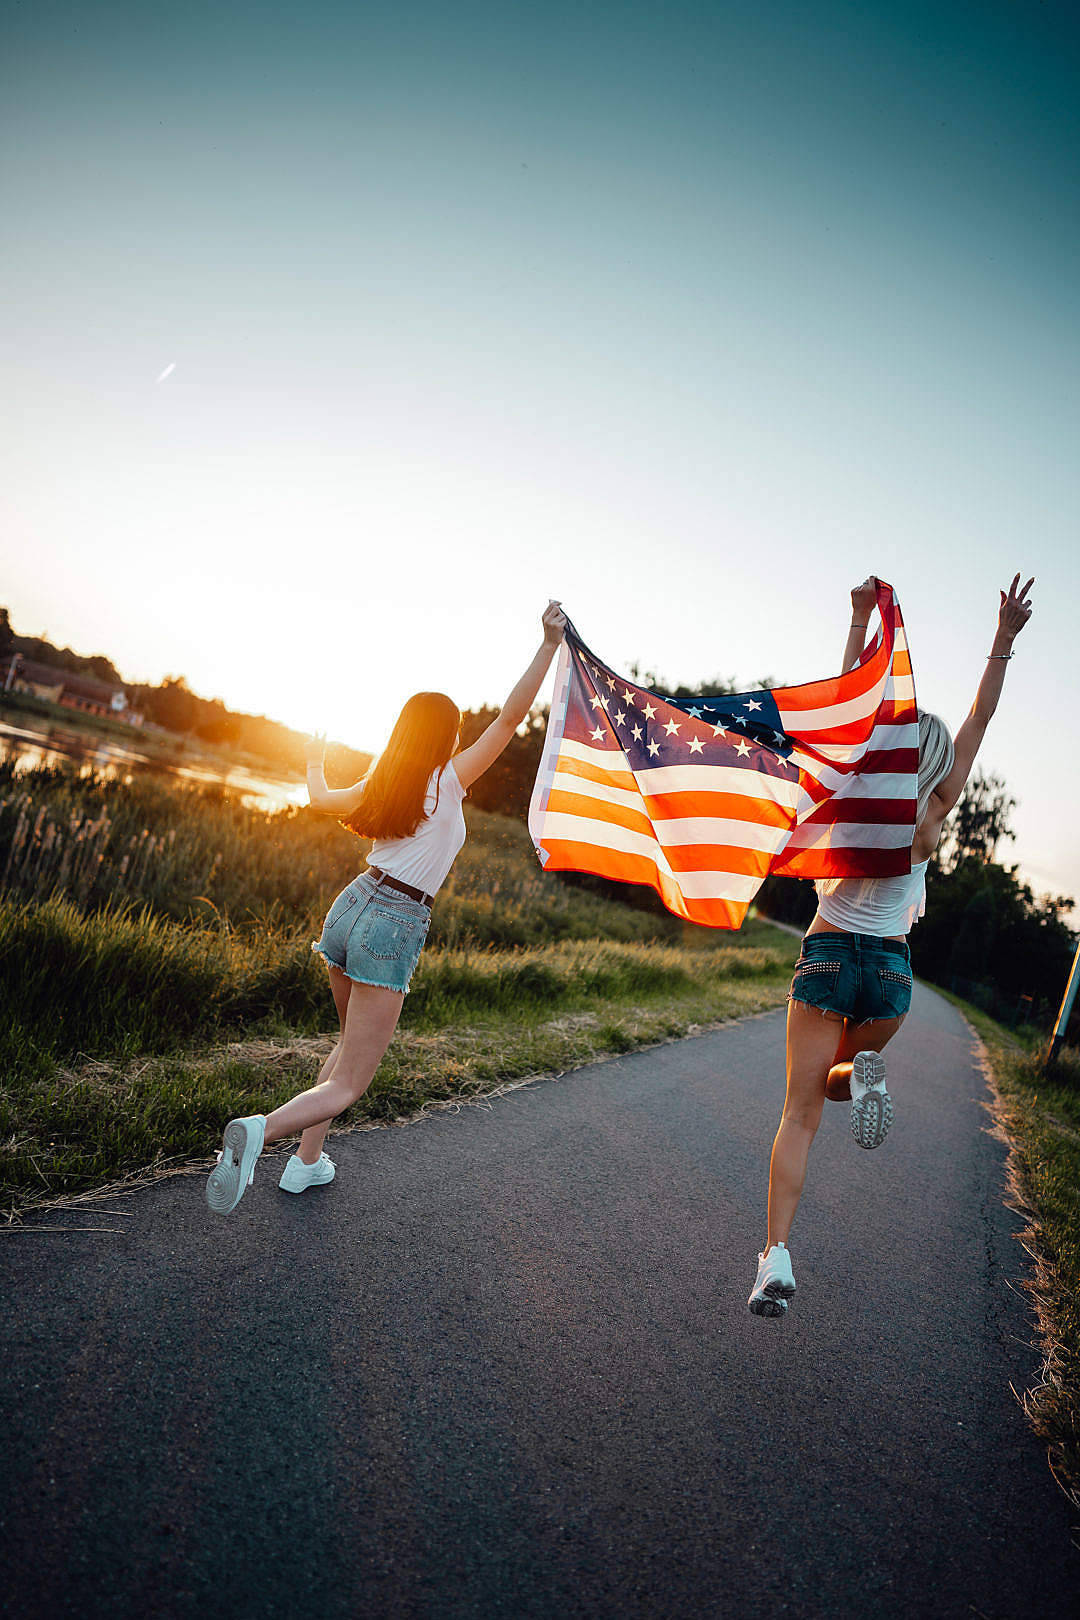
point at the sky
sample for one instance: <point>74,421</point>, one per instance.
<point>689,316</point>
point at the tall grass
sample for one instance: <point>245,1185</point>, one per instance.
<point>143,923</point>
<point>195,855</point>
<point>117,982</point>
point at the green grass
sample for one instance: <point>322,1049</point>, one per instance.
<point>1041,1118</point>
<point>146,1002</point>
<point>476,1018</point>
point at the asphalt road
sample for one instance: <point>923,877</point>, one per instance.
<point>503,1366</point>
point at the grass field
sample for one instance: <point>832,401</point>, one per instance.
<point>1041,1119</point>
<point>156,964</point>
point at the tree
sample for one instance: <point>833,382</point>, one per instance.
<point>975,935</point>
<point>977,826</point>
<point>507,786</point>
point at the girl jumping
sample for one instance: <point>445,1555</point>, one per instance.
<point>410,804</point>
<point>852,984</point>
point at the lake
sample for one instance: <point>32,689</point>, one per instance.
<point>33,740</point>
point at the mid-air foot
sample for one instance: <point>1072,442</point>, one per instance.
<point>871,1105</point>
<point>234,1172</point>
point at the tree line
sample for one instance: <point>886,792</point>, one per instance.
<point>985,932</point>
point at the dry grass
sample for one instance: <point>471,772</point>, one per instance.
<point>1037,1116</point>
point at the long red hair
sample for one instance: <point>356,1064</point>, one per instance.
<point>424,737</point>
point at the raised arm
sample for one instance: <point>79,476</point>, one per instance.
<point>863,603</point>
<point>475,760</point>
<point>333,801</point>
<point>1013,614</point>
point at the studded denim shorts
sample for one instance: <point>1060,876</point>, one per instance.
<point>374,934</point>
<point>856,976</point>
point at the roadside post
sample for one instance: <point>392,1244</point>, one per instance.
<point>1066,1008</point>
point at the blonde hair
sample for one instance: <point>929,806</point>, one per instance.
<point>935,757</point>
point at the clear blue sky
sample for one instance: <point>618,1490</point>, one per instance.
<point>689,315</point>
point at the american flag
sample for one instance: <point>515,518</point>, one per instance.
<point>703,797</point>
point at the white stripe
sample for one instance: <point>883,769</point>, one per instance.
<point>891,688</point>
<point>849,835</point>
<point>626,797</point>
<point>874,785</point>
<point>655,779</point>
<point>888,735</point>
<point>698,885</point>
<point>549,759</point>
<point>673,831</point>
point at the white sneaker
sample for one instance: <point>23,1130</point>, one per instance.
<point>871,1105</point>
<point>297,1176</point>
<point>235,1170</point>
<point>775,1283</point>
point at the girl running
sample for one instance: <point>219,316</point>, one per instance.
<point>852,984</point>
<point>410,804</point>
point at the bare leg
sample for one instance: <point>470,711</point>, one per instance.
<point>311,1142</point>
<point>813,1056</point>
<point>811,1047</point>
<point>870,1037</point>
<point>370,1022</point>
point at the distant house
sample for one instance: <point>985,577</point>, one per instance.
<point>81,692</point>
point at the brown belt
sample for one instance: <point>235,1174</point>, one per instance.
<point>387,882</point>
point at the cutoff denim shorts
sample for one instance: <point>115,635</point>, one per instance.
<point>374,934</point>
<point>859,976</point>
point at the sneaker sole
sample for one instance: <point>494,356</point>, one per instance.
<point>227,1184</point>
<point>766,1304</point>
<point>779,1290</point>
<point>871,1113</point>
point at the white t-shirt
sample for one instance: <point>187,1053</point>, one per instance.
<point>881,906</point>
<point>424,859</point>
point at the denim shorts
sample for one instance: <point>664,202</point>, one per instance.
<point>860,976</point>
<point>374,933</point>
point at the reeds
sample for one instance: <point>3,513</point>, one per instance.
<point>198,856</point>
<point>79,855</point>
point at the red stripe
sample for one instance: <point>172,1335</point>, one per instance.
<point>881,761</point>
<point>866,812</point>
<point>566,856</point>
<point>884,659</point>
<point>842,863</point>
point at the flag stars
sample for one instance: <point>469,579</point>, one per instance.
<point>611,682</point>
<point>718,731</point>
<point>654,749</point>
<point>695,745</point>
<point>598,734</point>
<point>750,705</point>
<point>637,733</point>
<point>743,748</point>
<point>695,714</point>
<point>648,711</point>
<point>620,718</point>
<point>671,728</point>
<point>628,696</point>
<point>595,702</point>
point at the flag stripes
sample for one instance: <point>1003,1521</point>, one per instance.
<point>702,798</point>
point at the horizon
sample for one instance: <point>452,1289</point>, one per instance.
<point>341,340</point>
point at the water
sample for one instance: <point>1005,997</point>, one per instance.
<point>35,741</point>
